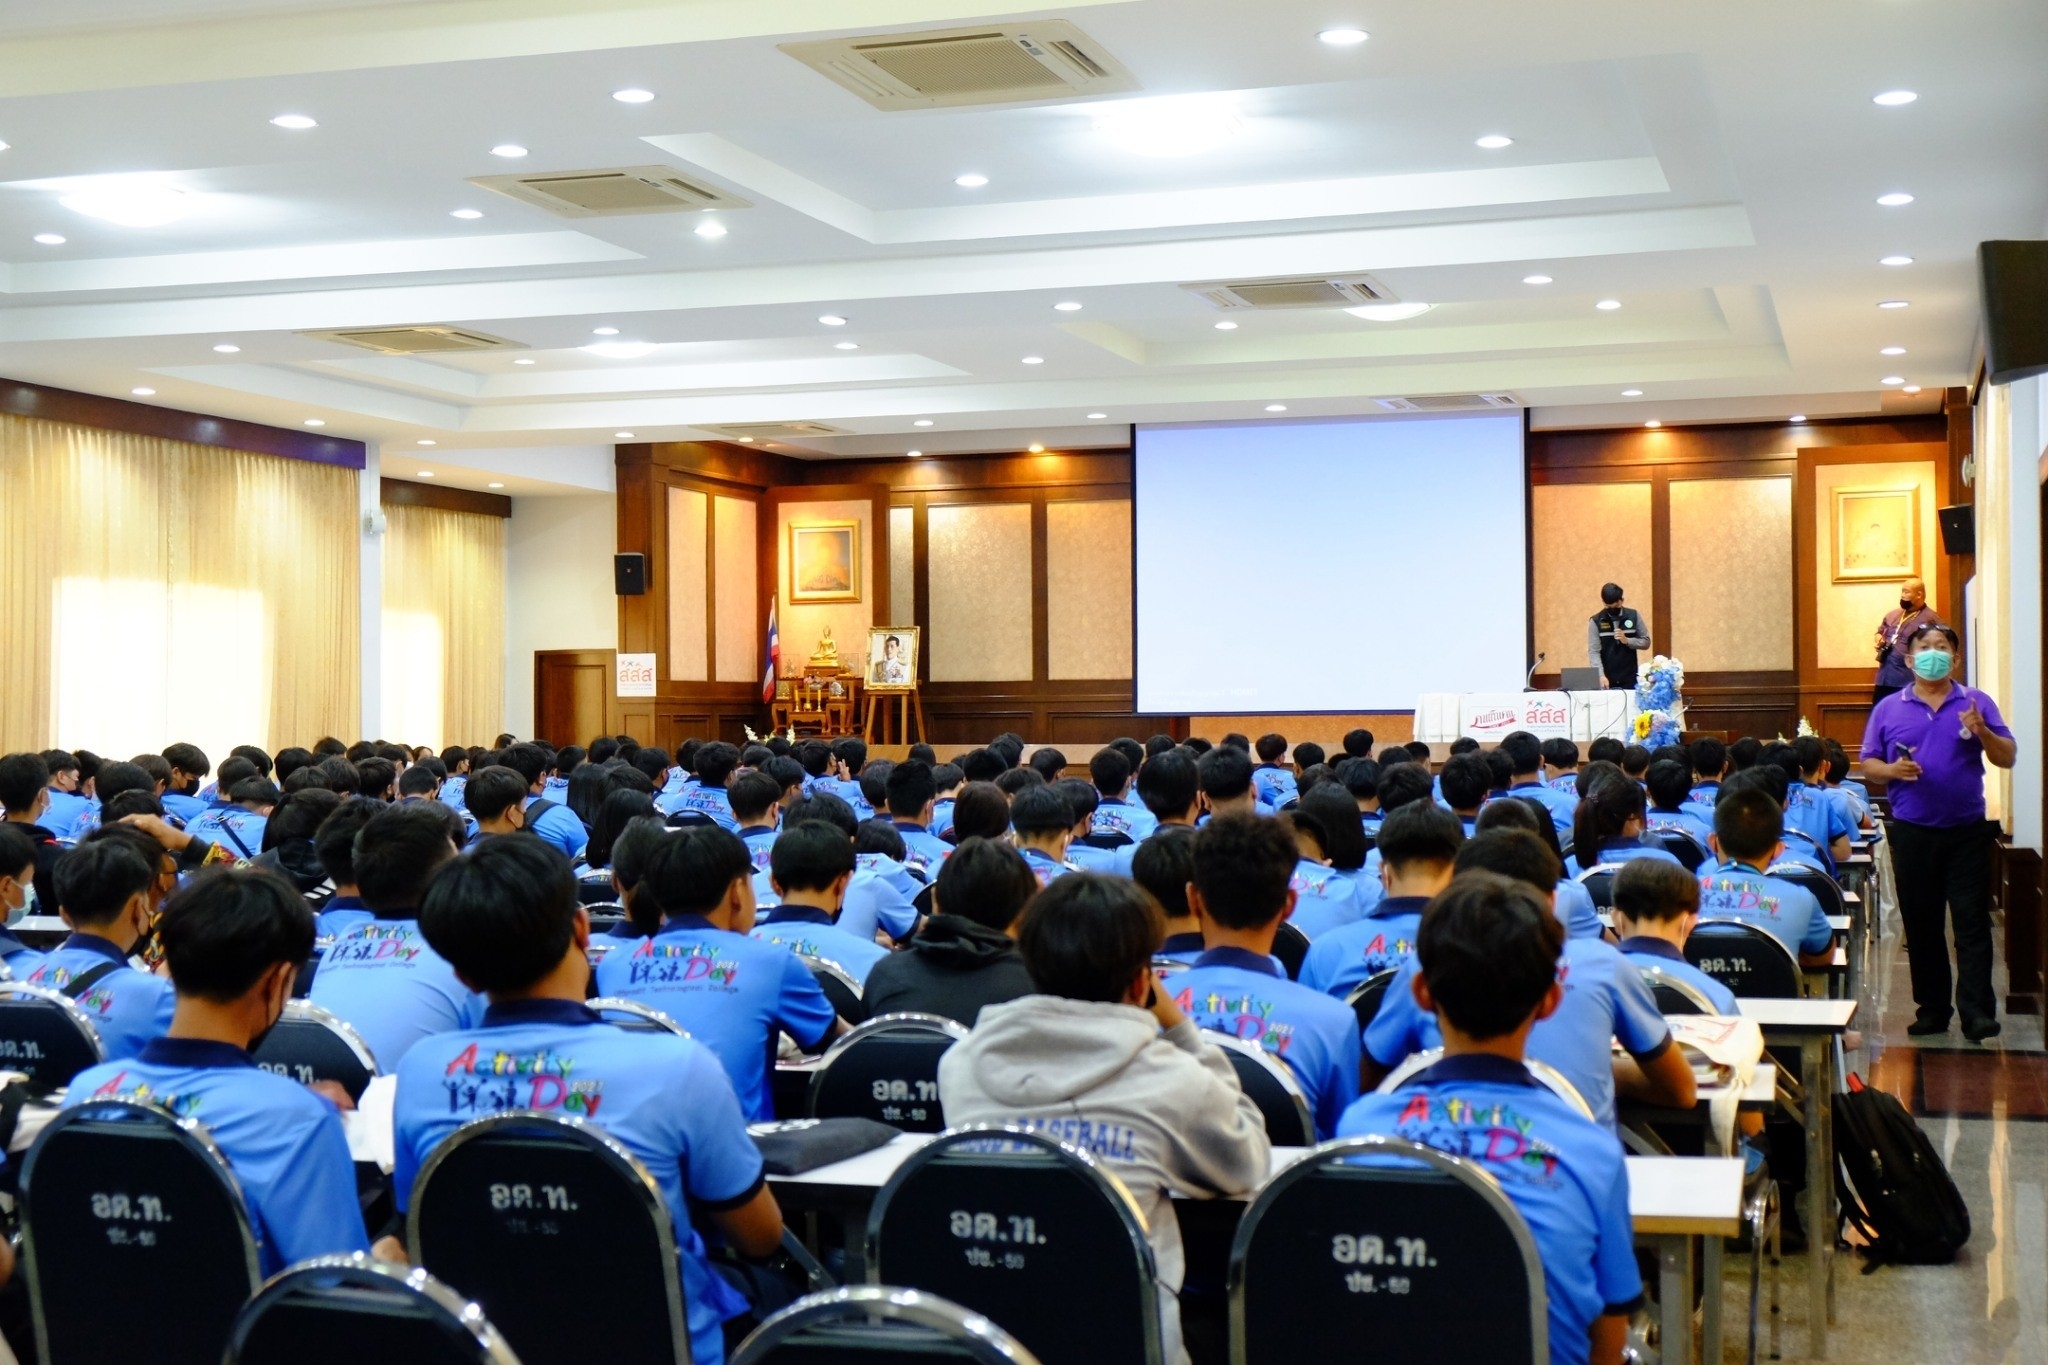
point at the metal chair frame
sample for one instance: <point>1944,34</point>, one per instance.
<point>1279,1071</point>
<point>364,1271</point>
<point>990,1343</point>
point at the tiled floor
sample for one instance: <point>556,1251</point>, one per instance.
<point>1986,1110</point>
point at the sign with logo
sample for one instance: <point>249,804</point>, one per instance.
<point>635,675</point>
<point>1486,716</point>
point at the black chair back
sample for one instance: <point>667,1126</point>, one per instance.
<point>1272,1088</point>
<point>595,888</point>
<point>1674,994</point>
<point>1290,945</point>
<point>841,990</point>
<point>635,1017</point>
<point>45,1036</point>
<point>1599,883</point>
<point>1825,889</point>
<point>1107,839</point>
<point>514,1209</point>
<point>1744,958</point>
<point>344,1310</point>
<point>125,1199</point>
<point>689,819</point>
<point>1681,845</point>
<point>1334,1253</point>
<point>1368,995</point>
<point>310,1044</point>
<point>886,1070</point>
<point>880,1324</point>
<point>1163,967</point>
<point>1032,1233</point>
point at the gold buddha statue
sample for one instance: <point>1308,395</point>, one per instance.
<point>826,655</point>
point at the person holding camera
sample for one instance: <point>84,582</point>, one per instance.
<point>1893,672</point>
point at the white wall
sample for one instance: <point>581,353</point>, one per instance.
<point>558,588</point>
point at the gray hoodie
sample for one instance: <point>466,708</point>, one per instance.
<point>1163,1111</point>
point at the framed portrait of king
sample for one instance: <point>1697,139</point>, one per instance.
<point>824,561</point>
<point>892,659</point>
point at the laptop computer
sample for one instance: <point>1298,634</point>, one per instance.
<point>1580,679</point>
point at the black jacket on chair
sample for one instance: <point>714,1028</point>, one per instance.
<point>952,968</point>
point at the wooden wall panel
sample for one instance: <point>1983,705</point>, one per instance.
<point>1088,589</point>
<point>1731,574</point>
<point>687,544</point>
<point>735,591</point>
<point>982,569</point>
<point>902,596</point>
<point>1586,535</point>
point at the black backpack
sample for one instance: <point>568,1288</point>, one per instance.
<point>1894,1189</point>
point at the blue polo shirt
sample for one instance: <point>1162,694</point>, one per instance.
<point>1565,1176</point>
<point>235,828</point>
<point>127,1007</point>
<point>1341,959</point>
<point>1245,995</point>
<point>923,849</point>
<point>811,932</point>
<point>19,959</point>
<point>1324,899</point>
<point>182,807</point>
<point>1784,910</point>
<point>555,789</point>
<point>942,817</point>
<point>1810,810</point>
<point>560,827</point>
<point>730,991</point>
<point>1366,887</point>
<point>847,789</point>
<point>66,809</point>
<point>1669,958</point>
<point>661,1097</point>
<point>1044,866</point>
<point>1618,852</point>
<point>760,842</point>
<point>1182,948</point>
<point>1568,783</point>
<point>1684,819</point>
<point>1113,816</point>
<point>1275,785</point>
<point>1705,793</point>
<point>714,802</point>
<point>1562,805</point>
<point>1576,911</point>
<point>384,979</point>
<point>1108,861</point>
<point>451,791</point>
<point>1604,999</point>
<point>879,897</point>
<point>284,1142</point>
<point>339,915</point>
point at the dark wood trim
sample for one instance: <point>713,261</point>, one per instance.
<point>2017,888</point>
<point>24,399</point>
<point>1053,469</point>
<point>1041,595</point>
<point>1660,562</point>
<point>1742,442</point>
<point>406,493</point>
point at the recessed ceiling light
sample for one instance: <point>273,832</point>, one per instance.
<point>1892,99</point>
<point>710,227</point>
<point>1631,393</point>
<point>1174,125</point>
<point>426,474</point>
<point>1493,142</point>
<point>1342,37</point>
<point>922,422</point>
<point>131,201</point>
<point>1893,379</point>
<point>1035,448</point>
<point>746,440</point>
<point>426,443</point>
<point>524,360</point>
<point>508,150</point>
<point>1034,360</point>
<point>622,435</point>
<point>604,331</point>
<point>51,238</point>
<point>972,180</point>
<point>1068,307</point>
<point>832,319</point>
<point>1536,279</point>
<point>1797,417</point>
<point>143,393</point>
<point>1097,416</point>
<point>1608,305</point>
<point>1896,199</point>
<point>633,95</point>
<point>1226,326</point>
<point>465,213</point>
<point>1893,350</point>
<point>316,422</point>
<point>620,350</point>
<point>1276,407</point>
<point>1910,388</point>
<point>846,345</point>
<point>3,146</point>
<point>227,348</point>
<point>1896,303</point>
<point>1895,260</point>
<point>495,485</point>
<point>913,454</point>
<point>295,122</point>
<point>1653,422</point>
<point>1390,312</point>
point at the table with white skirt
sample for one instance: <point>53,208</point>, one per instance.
<point>1583,717</point>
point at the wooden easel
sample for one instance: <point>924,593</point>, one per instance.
<point>909,704</point>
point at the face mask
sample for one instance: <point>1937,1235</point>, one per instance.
<point>1933,664</point>
<point>1905,604</point>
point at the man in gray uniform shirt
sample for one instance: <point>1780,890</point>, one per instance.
<point>1613,636</point>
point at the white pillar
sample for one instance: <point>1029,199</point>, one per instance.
<point>2022,708</point>
<point>371,580</point>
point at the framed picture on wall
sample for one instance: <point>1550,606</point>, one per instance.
<point>824,561</point>
<point>1877,534</point>
<point>892,659</point>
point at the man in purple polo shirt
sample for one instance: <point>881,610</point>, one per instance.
<point>1929,742</point>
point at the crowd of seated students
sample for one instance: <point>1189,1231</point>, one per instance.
<point>1092,932</point>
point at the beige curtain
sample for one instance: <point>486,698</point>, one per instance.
<point>444,627</point>
<point>153,591</point>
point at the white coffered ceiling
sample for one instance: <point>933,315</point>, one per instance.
<point>1714,169</point>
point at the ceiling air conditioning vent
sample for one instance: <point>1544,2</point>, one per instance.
<point>998,64</point>
<point>608,193</point>
<point>1448,402</point>
<point>415,340</point>
<point>777,431</point>
<point>1347,291</point>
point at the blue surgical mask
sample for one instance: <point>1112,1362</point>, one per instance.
<point>1933,664</point>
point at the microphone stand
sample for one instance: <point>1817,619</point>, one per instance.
<point>1529,682</point>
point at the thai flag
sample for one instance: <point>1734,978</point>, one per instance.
<point>774,656</point>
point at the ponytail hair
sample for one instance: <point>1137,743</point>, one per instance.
<point>1609,802</point>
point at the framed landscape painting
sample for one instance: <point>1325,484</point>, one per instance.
<point>824,561</point>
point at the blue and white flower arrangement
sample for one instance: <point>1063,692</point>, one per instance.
<point>1660,703</point>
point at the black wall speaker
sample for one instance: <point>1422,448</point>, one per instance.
<point>2013,280</point>
<point>1959,529</point>
<point>629,575</point>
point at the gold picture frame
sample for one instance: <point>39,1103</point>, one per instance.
<point>892,659</point>
<point>1877,534</point>
<point>824,561</point>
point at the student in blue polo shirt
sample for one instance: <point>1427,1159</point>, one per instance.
<point>1115,813</point>
<point>1852,796</point>
<point>1418,843</point>
<point>233,940</point>
<point>732,992</point>
<point>1240,897</point>
<point>849,757</point>
<point>912,793</point>
<point>1343,840</point>
<point>1525,756</point>
<point>1808,807</point>
<point>1748,835</point>
<point>1575,908</point>
<point>180,796</point>
<point>1082,799</point>
<point>1273,779</point>
<point>947,779</point>
<point>1605,1000</point>
<point>1225,777</point>
<point>456,759</point>
<point>1608,825</point>
<point>1709,759</point>
<point>1165,866</point>
<point>811,866</point>
<point>1488,953</point>
<point>553,823</point>
<point>1464,786</point>
<point>237,823</point>
<point>334,844</point>
<point>1655,909</point>
<point>1042,825</point>
<point>757,807</point>
<point>507,917</point>
<point>1325,899</point>
<point>17,881</point>
<point>382,976</point>
<point>1169,786</point>
<point>880,897</point>
<point>106,890</point>
<point>716,763</point>
<point>68,804</point>
<point>1669,785</point>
